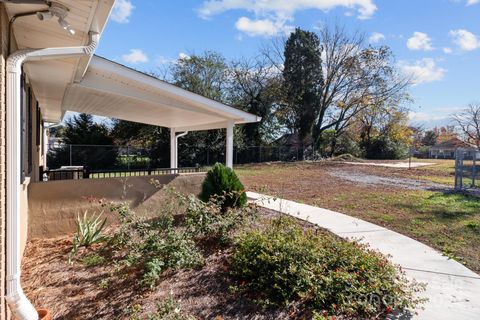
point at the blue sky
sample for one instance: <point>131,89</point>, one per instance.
<point>436,42</point>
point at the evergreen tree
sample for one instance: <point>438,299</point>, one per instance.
<point>303,80</point>
<point>86,144</point>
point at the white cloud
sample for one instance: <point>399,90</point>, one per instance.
<point>135,56</point>
<point>376,37</point>
<point>465,39</point>
<point>423,71</point>
<point>183,55</point>
<point>277,13</point>
<point>420,41</point>
<point>447,50</point>
<point>122,10</point>
<point>467,2</point>
<point>262,27</point>
<point>425,117</point>
<point>286,8</point>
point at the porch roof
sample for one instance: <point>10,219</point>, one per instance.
<point>113,90</point>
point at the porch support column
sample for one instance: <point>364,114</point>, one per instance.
<point>229,151</point>
<point>173,149</point>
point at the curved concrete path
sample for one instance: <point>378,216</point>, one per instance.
<point>452,289</point>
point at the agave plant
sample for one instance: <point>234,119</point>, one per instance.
<point>89,232</point>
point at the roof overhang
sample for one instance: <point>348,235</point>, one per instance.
<point>50,78</point>
<point>112,90</point>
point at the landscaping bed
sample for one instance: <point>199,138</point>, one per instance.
<point>197,260</point>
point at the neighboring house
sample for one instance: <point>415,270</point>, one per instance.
<point>293,141</point>
<point>38,86</point>
<point>447,149</point>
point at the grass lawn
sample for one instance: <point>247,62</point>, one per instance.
<point>446,221</point>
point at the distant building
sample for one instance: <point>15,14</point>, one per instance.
<point>446,149</point>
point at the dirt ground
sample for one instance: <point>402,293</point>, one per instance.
<point>300,180</point>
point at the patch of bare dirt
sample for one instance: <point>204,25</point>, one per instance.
<point>367,178</point>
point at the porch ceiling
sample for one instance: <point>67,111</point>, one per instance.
<point>112,90</point>
<point>49,79</point>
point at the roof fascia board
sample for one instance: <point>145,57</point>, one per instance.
<point>108,86</point>
<point>211,126</point>
<point>128,73</point>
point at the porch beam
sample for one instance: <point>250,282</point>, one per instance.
<point>229,145</point>
<point>173,149</point>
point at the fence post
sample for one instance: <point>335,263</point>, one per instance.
<point>458,169</point>
<point>474,169</point>
<point>128,157</point>
<point>86,173</point>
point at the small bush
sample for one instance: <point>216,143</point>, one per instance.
<point>207,220</point>
<point>168,309</point>
<point>223,181</point>
<point>284,264</point>
<point>93,260</point>
<point>153,246</point>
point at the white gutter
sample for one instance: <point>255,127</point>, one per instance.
<point>181,135</point>
<point>174,164</point>
<point>20,306</point>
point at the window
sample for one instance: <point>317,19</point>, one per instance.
<point>29,132</point>
<point>38,131</point>
<point>26,123</point>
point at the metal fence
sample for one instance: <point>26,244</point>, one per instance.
<point>99,157</point>
<point>74,173</point>
<point>467,169</point>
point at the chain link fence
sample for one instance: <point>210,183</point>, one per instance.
<point>100,157</point>
<point>467,169</point>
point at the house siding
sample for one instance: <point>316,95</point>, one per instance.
<point>3,56</point>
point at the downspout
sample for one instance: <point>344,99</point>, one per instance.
<point>20,306</point>
<point>176,146</point>
<point>181,135</point>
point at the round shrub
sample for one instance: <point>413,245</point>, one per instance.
<point>222,183</point>
<point>284,264</point>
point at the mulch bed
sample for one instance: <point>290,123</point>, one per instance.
<point>80,292</point>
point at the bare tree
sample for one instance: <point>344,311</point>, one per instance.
<point>255,86</point>
<point>356,77</point>
<point>468,121</point>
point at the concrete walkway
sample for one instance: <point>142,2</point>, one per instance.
<point>402,164</point>
<point>452,289</point>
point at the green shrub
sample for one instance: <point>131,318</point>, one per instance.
<point>222,181</point>
<point>284,264</point>
<point>153,246</point>
<point>207,220</point>
<point>170,309</point>
<point>93,260</point>
<point>384,148</point>
<point>166,250</point>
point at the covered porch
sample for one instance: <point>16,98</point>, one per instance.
<point>112,90</point>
